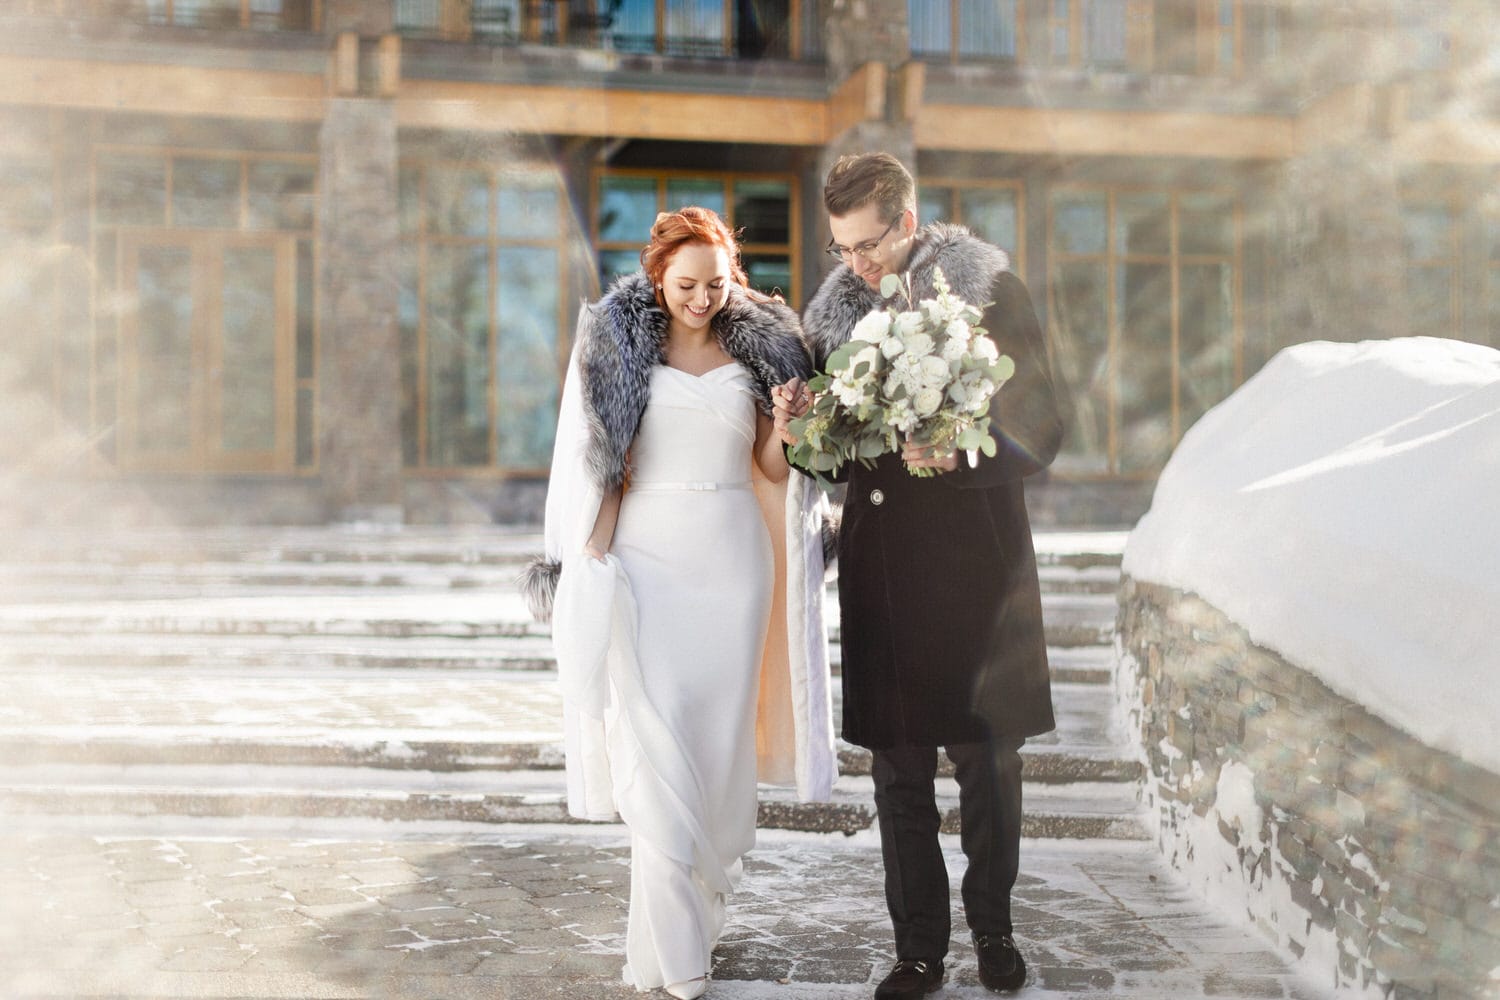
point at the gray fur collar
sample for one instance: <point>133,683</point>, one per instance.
<point>626,340</point>
<point>969,264</point>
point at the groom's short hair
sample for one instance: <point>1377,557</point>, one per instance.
<point>857,180</point>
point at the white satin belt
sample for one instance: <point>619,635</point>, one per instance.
<point>664,487</point>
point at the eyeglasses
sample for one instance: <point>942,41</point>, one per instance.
<point>869,251</point>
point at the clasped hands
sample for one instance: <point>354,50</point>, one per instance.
<point>792,399</point>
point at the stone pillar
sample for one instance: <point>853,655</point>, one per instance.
<point>359,397</point>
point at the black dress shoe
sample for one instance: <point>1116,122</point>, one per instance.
<point>1001,967</point>
<point>910,980</point>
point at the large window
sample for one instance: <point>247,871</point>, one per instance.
<point>1434,272</point>
<point>762,206</point>
<point>264,15</point>
<point>483,291</point>
<point>954,30</point>
<point>206,347</point>
<point>748,29</point>
<point>994,211</point>
<point>1144,301</point>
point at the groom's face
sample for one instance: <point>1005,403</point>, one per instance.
<point>872,244</point>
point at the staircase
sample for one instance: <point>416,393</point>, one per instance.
<point>396,676</point>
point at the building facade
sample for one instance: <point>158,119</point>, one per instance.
<point>298,260</point>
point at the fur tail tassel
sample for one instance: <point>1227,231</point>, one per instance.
<point>832,519</point>
<point>539,586</point>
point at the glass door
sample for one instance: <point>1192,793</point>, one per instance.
<point>206,354</point>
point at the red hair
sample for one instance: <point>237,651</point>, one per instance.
<point>674,230</point>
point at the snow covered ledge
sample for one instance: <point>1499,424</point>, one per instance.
<point>1310,640</point>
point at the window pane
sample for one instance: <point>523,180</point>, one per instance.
<point>420,15</point>
<point>248,377</point>
<point>627,208</point>
<point>281,15</point>
<point>527,369</point>
<point>458,202</point>
<point>164,349</point>
<point>1206,224</point>
<point>770,274</point>
<point>1429,290</point>
<point>409,199</point>
<point>703,192</point>
<point>1104,32</point>
<point>762,29</point>
<point>931,27</point>
<point>1081,319</point>
<point>458,361</point>
<point>26,195</point>
<point>306,428</point>
<point>306,347</point>
<point>1142,224</point>
<point>987,28</point>
<point>991,214</point>
<point>695,27</point>
<point>615,263</point>
<point>1429,232</point>
<point>528,208</point>
<point>934,204</point>
<point>206,193</point>
<point>1078,223</point>
<point>763,209</point>
<point>281,195</point>
<point>206,13</point>
<point>634,29</point>
<point>1144,387</point>
<point>1176,41</point>
<point>1205,339</point>
<point>495,18</point>
<point>132,191</point>
<point>408,314</point>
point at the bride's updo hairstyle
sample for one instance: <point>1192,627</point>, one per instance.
<point>674,230</point>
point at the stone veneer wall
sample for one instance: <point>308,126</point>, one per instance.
<point>1366,854</point>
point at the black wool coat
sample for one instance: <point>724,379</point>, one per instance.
<point>938,593</point>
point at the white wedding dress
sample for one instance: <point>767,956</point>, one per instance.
<point>695,549</point>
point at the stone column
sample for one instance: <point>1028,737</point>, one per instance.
<point>359,397</point>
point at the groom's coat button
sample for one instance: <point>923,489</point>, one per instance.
<point>877,497</point>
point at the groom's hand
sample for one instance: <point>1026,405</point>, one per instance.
<point>919,456</point>
<point>788,402</point>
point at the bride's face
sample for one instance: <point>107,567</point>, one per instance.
<point>695,284</point>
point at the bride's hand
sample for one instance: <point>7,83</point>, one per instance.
<point>788,402</point>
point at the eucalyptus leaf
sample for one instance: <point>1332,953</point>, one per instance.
<point>987,445</point>
<point>889,285</point>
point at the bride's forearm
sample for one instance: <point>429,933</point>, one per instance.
<point>603,534</point>
<point>770,456</point>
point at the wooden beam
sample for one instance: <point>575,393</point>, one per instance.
<point>911,80</point>
<point>388,58</point>
<point>1474,141</point>
<point>173,90</point>
<point>552,110</point>
<point>345,67</point>
<point>1064,131</point>
<point>860,98</point>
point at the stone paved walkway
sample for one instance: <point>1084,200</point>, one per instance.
<point>248,908</point>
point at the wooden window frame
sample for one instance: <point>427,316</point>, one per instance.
<point>421,240</point>
<point>956,185</point>
<point>792,248</point>
<point>108,324</point>
<point>1112,259</point>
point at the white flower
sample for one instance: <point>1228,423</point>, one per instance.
<point>919,345</point>
<point>954,350</point>
<point>959,330</point>
<point>907,371</point>
<point>873,328</point>
<point>907,323</point>
<point>960,393</point>
<point>865,354</point>
<point>984,349</point>
<point>901,416</point>
<point>927,401</point>
<point>847,391</point>
<point>891,346</point>
<point>933,373</point>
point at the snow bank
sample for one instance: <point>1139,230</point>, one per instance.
<point>1344,507</point>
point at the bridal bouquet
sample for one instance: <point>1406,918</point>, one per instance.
<point>926,372</point>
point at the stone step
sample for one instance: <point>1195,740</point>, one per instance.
<point>239,652</point>
<point>432,720</point>
<point>1085,810</point>
<point>1070,619</point>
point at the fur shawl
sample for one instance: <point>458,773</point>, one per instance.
<point>627,338</point>
<point>621,339</point>
<point>969,264</point>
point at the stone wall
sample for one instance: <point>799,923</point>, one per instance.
<point>1369,856</point>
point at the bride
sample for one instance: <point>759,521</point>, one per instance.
<point>684,578</point>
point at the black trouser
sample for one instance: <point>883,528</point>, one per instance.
<point>916,880</point>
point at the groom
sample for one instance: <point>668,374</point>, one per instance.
<point>941,609</point>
